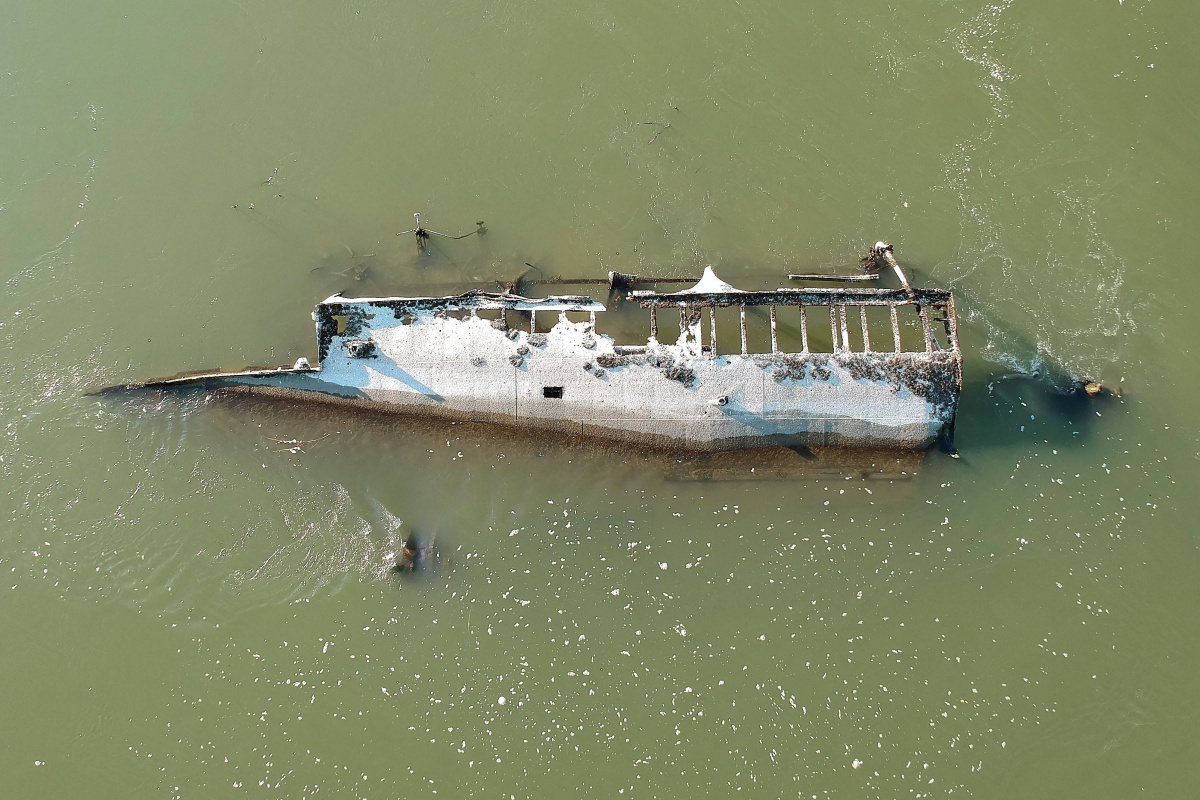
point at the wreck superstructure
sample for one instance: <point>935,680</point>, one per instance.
<point>479,356</point>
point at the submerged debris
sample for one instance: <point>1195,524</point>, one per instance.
<point>418,553</point>
<point>297,445</point>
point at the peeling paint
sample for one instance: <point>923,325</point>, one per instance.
<point>439,357</point>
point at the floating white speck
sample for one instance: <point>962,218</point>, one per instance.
<point>615,592</point>
<point>856,763</point>
<point>502,700</point>
<point>662,565</point>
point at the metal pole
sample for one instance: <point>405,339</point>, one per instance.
<point>744,351</point>
<point>928,331</point>
<point>712,330</point>
<point>884,249</point>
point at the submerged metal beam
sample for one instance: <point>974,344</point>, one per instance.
<point>469,300</point>
<point>817,276</point>
<point>793,297</point>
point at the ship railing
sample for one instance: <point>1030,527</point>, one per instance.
<point>334,312</point>
<point>931,307</point>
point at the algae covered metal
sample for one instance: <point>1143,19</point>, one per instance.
<point>480,356</point>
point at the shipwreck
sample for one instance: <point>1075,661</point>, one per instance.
<point>848,365</point>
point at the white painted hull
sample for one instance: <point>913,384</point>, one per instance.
<point>464,369</point>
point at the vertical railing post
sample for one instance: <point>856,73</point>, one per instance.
<point>653,323</point>
<point>833,328</point>
<point>744,351</point>
<point>774,333</point>
<point>803,329</point>
<point>862,316</point>
<point>895,325</point>
<point>532,321</point>
<point>712,331</point>
<point>951,323</point>
<point>691,327</point>
<point>924,311</point>
<point>845,329</point>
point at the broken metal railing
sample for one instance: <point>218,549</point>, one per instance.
<point>838,301</point>
<point>328,312</point>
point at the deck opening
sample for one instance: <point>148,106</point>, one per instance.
<point>552,392</point>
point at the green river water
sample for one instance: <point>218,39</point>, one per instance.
<point>193,606</point>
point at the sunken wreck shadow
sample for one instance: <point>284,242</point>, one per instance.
<point>993,411</point>
<point>776,459</point>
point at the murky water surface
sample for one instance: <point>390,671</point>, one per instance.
<point>196,601</point>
